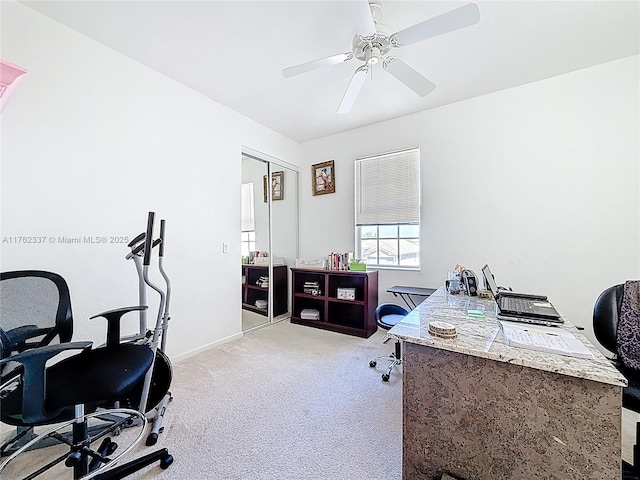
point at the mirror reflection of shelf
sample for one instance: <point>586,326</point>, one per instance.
<point>255,288</point>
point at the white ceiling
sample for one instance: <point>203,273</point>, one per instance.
<point>234,51</point>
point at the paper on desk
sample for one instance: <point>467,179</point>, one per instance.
<point>544,339</point>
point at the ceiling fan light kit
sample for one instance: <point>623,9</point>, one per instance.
<point>374,41</point>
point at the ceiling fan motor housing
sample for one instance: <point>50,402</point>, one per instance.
<point>365,48</point>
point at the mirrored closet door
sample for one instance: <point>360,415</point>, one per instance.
<point>269,239</point>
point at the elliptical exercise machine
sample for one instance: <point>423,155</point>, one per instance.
<point>153,397</point>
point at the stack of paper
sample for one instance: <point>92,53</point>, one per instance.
<point>544,339</point>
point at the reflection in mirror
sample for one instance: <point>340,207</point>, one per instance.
<point>254,238</point>
<point>284,226</point>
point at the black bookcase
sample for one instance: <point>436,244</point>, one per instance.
<point>353,317</point>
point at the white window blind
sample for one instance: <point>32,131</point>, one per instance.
<point>248,222</point>
<point>388,188</point>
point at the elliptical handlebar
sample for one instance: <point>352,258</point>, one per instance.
<point>136,240</point>
<point>136,250</point>
<point>148,240</point>
<point>161,252</point>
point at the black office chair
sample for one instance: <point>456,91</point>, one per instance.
<point>36,311</point>
<point>82,382</point>
<point>73,391</point>
<point>606,315</point>
<point>387,316</point>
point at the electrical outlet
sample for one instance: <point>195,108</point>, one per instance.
<point>225,247</point>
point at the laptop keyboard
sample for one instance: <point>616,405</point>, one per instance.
<point>515,304</point>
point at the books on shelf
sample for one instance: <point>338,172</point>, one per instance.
<point>310,314</point>
<point>544,339</point>
<point>339,261</point>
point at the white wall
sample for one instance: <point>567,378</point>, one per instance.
<point>92,141</point>
<point>541,181</point>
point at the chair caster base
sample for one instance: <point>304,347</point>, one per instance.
<point>385,377</point>
<point>373,363</point>
<point>86,462</point>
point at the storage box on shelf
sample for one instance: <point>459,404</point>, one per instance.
<point>353,317</point>
<point>255,288</point>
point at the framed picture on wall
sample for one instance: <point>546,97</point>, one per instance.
<point>323,178</point>
<point>277,186</point>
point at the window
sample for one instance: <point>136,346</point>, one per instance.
<point>248,238</point>
<point>387,189</point>
<point>247,243</point>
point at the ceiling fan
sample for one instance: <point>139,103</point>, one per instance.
<point>374,41</point>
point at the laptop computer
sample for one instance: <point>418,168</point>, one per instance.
<point>522,307</point>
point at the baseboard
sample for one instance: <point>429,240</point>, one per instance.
<point>217,343</point>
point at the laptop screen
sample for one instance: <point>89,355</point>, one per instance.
<point>491,282</point>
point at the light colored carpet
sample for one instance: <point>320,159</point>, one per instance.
<point>283,402</point>
<point>287,402</point>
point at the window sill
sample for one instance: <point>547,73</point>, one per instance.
<point>393,267</point>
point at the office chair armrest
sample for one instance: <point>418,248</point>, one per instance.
<point>33,378</point>
<point>113,322</point>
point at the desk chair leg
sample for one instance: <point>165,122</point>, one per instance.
<point>636,450</point>
<point>395,359</point>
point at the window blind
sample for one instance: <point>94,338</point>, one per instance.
<point>248,222</point>
<point>388,188</point>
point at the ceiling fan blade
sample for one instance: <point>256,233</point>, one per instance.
<point>353,89</point>
<point>360,13</point>
<point>407,75</point>
<point>457,18</point>
<point>315,64</point>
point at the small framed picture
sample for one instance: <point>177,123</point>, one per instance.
<point>277,186</point>
<point>324,178</point>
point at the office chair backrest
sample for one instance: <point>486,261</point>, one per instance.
<point>606,313</point>
<point>35,310</point>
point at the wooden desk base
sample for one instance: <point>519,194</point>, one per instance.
<point>475,418</point>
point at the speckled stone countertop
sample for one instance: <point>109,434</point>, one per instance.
<point>475,338</point>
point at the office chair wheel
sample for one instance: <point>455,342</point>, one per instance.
<point>385,377</point>
<point>372,363</point>
<point>166,461</point>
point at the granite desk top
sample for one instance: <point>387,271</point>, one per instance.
<point>477,337</point>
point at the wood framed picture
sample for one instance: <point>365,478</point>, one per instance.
<point>277,186</point>
<point>324,178</point>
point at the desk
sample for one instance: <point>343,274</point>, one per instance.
<point>406,292</point>
<point>477,409</point>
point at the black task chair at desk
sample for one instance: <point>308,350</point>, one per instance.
<point>606,317</point>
